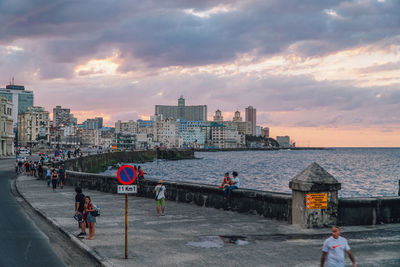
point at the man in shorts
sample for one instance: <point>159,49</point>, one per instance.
<point>334,247</point>
<point>160,197</point>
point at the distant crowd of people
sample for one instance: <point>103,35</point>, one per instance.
<point>30,168</point>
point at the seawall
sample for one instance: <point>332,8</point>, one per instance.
<point>351,211</point>
<point>369,211</point>
<point>98,162</point>
<point>267,204</point>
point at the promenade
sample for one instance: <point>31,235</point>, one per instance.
<point>196,236</point>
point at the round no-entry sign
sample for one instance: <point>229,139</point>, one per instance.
<point>126,174</point>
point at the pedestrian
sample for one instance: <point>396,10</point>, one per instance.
<point>235,183</point>
<point>16,166</point>
<point>334,247</point>
<point>26,165</point>
<point>34,167</point>
<point>89,218</point>
<point>54,179</point>
<point>48,176</point>
<point>79,207</point>
<point>160,191</point>
<point>40,170</point>
<point>20,164</point>
<point>141,173</point>
<point>31,167</point>
<point>226,182</point>
<point>62,175</point>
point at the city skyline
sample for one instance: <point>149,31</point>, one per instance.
<point>325,73</point>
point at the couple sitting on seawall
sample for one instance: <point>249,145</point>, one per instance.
<point>229,184</point>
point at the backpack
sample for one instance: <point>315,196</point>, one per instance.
<point>96,211</point>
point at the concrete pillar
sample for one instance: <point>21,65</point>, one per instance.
<point>314,198</point>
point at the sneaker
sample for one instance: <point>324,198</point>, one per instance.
<point>81,234</point>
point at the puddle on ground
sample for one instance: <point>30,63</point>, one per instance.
<point>218,241</point>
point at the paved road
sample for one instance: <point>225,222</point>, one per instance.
<point>21,244</point>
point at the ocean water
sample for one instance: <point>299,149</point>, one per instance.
<point>363,172</point>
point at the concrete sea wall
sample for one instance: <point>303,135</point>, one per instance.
<point>267,204</point>
<point>350,211</point>
<point>99,162</point>
<point>369,211</point>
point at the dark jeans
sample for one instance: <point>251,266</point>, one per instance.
<point>54,182</point>
<point>228,191</point>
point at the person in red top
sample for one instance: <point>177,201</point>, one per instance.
<point>140,172</point>
<point>227,181</point>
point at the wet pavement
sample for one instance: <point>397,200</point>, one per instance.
<point>197,236</point>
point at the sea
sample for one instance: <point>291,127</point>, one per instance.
<point>363,172</point>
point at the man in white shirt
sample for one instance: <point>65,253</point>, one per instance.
<point>160,197</point>
<point>335,247</point>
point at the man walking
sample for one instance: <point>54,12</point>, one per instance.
<point>160,191</point>
<point>334,247</point>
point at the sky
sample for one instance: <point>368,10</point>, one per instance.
<point>326,73</point>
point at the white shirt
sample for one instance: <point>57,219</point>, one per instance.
<point>160,190</point>
<point>335,249</point>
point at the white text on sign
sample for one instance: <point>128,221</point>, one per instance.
<point>127,189</point>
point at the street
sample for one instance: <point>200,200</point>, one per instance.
<point>21,243</point>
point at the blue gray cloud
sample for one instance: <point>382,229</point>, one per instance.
<point>162,34</point>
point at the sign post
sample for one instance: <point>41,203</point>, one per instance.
<point>126,176</point>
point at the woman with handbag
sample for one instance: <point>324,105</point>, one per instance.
<point>88,217</point>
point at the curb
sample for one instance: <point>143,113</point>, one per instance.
<point>101,260</point>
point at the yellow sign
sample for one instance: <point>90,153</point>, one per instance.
<point>317,201</point>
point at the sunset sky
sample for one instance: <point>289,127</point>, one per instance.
<point>325,72</point>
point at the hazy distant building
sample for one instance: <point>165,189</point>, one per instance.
<point>188,113</point>
<point>218,116</point>
<point>266,132</point>
<point>63,117</point>
<point>20,98</point>
<point>33,126</point>
<point>93,124</point>
<point>6,127</point>
<point>251,117</point>
<point>130,127</point>
<point>244,127</point>
<point>259,131</point>
<point>283,141</point>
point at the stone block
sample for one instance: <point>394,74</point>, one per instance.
<point>314,180</point>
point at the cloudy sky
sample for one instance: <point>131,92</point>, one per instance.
<point>327,73</point>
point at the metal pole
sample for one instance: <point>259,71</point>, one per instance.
<point>126,226</point>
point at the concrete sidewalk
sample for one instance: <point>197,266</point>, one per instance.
<point>196,236</point>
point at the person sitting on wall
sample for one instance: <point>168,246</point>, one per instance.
<point>234,185</point>
<point>226,182</point>
<point>140,172</point>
